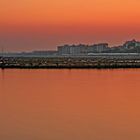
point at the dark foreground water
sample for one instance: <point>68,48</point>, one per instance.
<point>70,104</point>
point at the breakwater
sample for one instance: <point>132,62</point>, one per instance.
<point>71,62</point>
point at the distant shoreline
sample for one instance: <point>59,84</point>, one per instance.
<point>123,67</point>
<point>94,62</point>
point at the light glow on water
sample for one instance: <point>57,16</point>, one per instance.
<point>70,104</point>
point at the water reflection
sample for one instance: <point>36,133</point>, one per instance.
<point>70,104</point>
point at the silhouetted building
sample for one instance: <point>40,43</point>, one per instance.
<point>82,49</point>
<point>131,44</point>
<point>63,50</point>
<point>72,49</point>
<point>100,47</point>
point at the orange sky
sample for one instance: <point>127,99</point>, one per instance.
<point>44,24</point>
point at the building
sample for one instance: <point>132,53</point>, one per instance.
<point>131,44</point>
<point>82,49</point>
<point>63,50</point>
<point>97,48</point>
<point>72,49</point>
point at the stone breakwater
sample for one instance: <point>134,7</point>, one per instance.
<point>71,62</point>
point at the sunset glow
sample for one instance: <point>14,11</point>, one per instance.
<point>44,24</point>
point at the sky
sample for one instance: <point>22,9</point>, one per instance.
<point>27,25</point>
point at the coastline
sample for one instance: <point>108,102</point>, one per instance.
<point>100,62</point>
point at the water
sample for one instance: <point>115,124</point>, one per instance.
<point>70,104</point>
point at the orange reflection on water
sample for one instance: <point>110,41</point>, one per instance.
<point>70,104</point>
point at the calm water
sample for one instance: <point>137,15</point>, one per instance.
<point>70,104</point>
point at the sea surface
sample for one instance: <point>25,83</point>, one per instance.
<point>70,104</point>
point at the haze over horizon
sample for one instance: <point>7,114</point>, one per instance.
<point>41,25</point>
